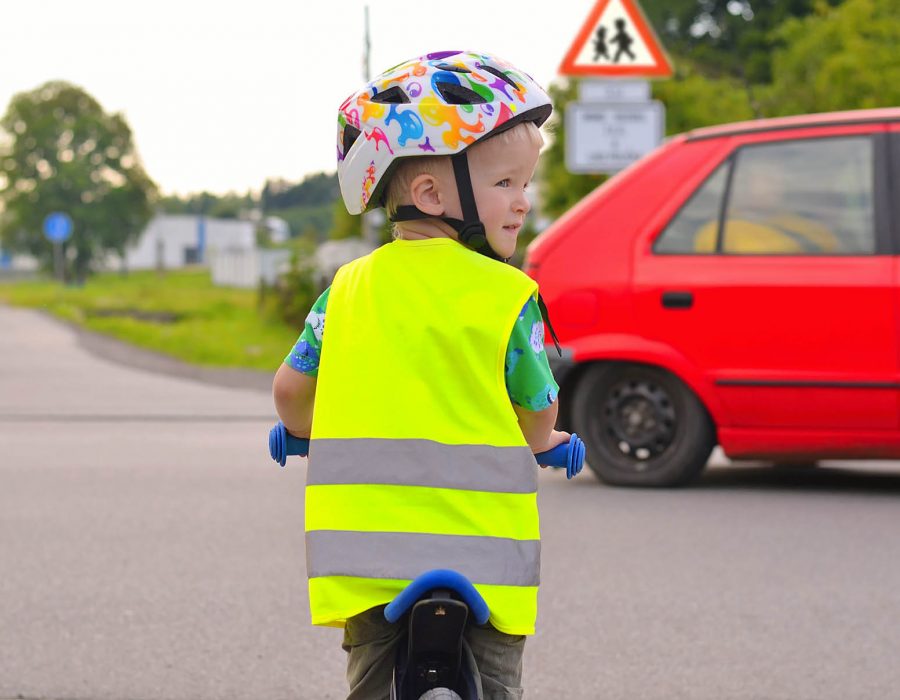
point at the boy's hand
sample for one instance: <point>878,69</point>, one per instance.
<point>557,437</point>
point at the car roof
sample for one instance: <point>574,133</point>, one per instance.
<point>858,116</point>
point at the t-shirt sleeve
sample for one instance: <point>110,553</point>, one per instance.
<point>529,380</point>
<point>304,356</point>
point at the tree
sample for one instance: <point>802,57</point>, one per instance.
<point>560,189</point>
<point>64,153</point>
<point>842,57</point>
<point>733,38</point>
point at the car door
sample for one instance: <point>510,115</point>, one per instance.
<point>776,279</point>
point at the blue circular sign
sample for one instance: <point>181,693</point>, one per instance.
<point>58,226</point>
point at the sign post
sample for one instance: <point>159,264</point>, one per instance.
<point>615,122</point>
<point>58,228</point>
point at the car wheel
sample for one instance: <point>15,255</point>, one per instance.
<point>641,425</point>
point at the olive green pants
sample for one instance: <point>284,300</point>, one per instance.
<point>371,644</point>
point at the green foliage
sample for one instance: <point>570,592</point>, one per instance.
<point>182,315</point>
<point>693,100</point>
<point>293,295</point>
<point>314,190</point>
<point>312,221</point>
<point>843,57</point>
<point>344,224</point>
<point>226,206</point>
<point>64,153</point>
<point>561,188</point>
<point>725,38</point>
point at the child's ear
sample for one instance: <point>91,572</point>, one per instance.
<point>425,193</point>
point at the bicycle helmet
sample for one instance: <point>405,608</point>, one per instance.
<point>434,105</point>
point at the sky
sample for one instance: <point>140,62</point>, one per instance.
<point>222,96</point>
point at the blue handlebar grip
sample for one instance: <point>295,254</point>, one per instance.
<point>282,444</point>
<point>569,456</point>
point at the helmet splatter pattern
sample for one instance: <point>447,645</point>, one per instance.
<point>433,105</point>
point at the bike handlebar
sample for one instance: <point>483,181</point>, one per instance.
<point>568,456</point>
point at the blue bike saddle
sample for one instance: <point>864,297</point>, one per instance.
<point>429,581</point>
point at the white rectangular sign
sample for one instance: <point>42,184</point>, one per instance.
<point>604,138</point>
<point>594,90</point>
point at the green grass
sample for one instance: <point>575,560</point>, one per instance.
<point>180,313</point>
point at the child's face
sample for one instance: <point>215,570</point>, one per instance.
<point>500,171</point>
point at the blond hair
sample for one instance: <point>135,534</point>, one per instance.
<point>409,169</point>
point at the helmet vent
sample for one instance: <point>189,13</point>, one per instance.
<point>392,96</point>
<point>452,68</point>
<point>455,94</point>
<point>500,74</point>
<point>351,133</point>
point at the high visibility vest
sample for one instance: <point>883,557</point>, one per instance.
<point>417,461</point>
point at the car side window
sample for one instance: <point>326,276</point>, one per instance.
<point>695,227</point>
<point>803,197</point>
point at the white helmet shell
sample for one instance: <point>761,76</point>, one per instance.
<point>434,105</point>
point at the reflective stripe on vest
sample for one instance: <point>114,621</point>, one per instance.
<point>380,461</point>
<point>417,461</point>
<point>405,555</point>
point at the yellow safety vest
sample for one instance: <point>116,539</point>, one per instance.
<point>417,461</point>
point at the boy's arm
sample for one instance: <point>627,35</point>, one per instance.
<point>294,386</point>
<point>530,382</point>
<point>294,394</point>
<point>537,427</point>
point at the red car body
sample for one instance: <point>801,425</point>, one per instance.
<point>791,355</point>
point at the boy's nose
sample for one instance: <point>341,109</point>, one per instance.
<point>522,203</point>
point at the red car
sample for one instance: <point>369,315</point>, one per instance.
<point>737,286</point>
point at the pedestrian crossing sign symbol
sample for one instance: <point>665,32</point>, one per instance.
<point>616,41</point>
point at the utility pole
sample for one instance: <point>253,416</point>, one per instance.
<point>367,220</point>
<point>366,76</point>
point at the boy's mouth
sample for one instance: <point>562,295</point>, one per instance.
<point>512,228</point>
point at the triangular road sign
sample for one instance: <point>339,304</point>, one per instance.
<point>616,41</point>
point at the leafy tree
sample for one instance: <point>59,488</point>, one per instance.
<point>344,224</point>
<point>64,153</point>
<point>842,57</point>
<point>315,189</point>
<point>733,38</point>
<point>693,100</point>
<point>560,189</point>
<point>225,206</point>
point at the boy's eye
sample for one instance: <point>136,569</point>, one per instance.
<point>504,183</point>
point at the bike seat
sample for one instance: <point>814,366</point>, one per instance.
<point>438,578</point>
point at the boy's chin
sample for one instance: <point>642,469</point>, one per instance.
<point>504,246</point>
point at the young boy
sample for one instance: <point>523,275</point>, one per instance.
<point>431,387</point>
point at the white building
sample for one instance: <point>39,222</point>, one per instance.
<point>175,240</point>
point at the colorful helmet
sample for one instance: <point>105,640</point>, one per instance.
<point>437,104</point>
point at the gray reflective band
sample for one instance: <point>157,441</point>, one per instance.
<point>405,555</point>
<point>422,463</point>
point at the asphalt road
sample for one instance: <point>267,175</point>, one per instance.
<point>150,550</point>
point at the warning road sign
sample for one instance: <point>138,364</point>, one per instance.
<point>616,41</point>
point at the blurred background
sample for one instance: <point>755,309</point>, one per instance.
<point>200,144</point>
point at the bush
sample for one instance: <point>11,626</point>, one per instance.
<point>293,295</point>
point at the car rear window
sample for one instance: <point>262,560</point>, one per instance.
<point>798,197</point>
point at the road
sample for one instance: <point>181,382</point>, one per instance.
<point>150,550</point>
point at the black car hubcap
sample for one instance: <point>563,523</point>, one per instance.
<point>640,421</point>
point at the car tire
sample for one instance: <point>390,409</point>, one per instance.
<point>642,426</point>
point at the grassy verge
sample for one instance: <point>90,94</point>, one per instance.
<point>181,314</point>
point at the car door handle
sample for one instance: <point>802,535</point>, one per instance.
<point>677,300</point>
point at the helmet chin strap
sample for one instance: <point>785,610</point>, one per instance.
<point>469,229</point>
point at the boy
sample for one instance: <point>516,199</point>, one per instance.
<point>431,389</point>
